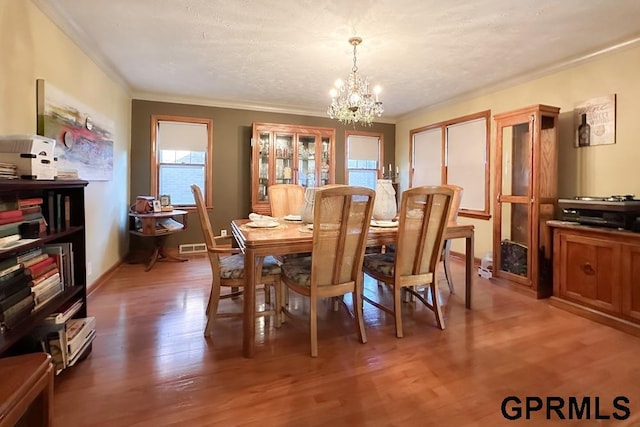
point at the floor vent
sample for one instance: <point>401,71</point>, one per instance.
<point>193,248</point>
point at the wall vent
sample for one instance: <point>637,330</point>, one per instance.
<point>193,248</point>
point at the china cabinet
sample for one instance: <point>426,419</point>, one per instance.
<point>526,195</point>
<point>289,154</point>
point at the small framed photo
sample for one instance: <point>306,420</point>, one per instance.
<point>156,206</point>
<point>165,200</point>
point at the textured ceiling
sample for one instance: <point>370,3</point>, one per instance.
<point>285,55</point>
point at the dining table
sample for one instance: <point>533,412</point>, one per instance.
<point>290,237</point>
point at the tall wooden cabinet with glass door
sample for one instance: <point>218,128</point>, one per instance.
<point>526,196</point>
<point>289,154</point>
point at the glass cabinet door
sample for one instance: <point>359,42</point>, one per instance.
<point>325,166</point>
<point>283,156</point>
<point>264,139</point>
<point>514,203</point>
<point>307,160</point>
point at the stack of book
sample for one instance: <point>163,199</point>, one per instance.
<point>66,339</point>
<point>45,277</point>
<point>11,217</point>
<point>31,209</point>
<point>8,171</point>
<point>67,174</point>
<point>16,298</point>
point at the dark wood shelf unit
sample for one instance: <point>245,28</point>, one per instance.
<point>73,233</point>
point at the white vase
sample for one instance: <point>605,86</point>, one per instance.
<point>384,207</point>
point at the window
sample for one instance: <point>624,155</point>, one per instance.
<point>455,152</point>
<point>364,152</point>
<point>181,155</point>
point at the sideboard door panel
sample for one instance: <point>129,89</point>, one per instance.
<point>590,275</point>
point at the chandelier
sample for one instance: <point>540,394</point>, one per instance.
<point>352,102</point>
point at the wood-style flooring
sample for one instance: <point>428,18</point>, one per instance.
<point>151,365</point>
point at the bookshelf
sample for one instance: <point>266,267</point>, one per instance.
<point>69,229</point>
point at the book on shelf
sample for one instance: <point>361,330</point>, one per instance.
<point>30,210</point>
<point>41,267</point>
<point>7,272</point>
<point>55,343</point>
<point>67,342</point>
<point>13,213</point>
<point>67,211</point>
<point>8,240</point>
<point>81,351</point>
<point>8,203</point>
<point>41,278</point>
<point>16,313</point>
<point>47,294</point>
<point>16,244</point>
<point>13,285</point>
<point>34,260</point>
<point>63,253</point>
<point>62,317</point>
<point>7,303</point>
<point>31,201</point>
<point>10,229</point>
<point>45,286</point>
<point>24,256</point>
<point>77,332</point>
<point>49,209</point>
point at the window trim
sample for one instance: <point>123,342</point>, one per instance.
<point>486,114</point>
<point>208,161</point>
<point>378,135</point>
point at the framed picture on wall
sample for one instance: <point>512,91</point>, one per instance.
<point>595,121</point>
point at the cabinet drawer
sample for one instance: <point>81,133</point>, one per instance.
<point>590,272</point>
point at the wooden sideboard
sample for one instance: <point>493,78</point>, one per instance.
<point>596,273</point>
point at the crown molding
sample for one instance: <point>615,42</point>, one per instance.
<point>56,14</point>
<point>208,102</point>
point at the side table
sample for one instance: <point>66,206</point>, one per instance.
<point>151,225</point>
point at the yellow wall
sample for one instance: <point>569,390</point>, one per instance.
<point>32,47</point>
<point>593,171</point>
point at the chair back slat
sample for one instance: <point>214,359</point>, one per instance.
<point>341,222</point>
<point>207,230</point>
<point>423,217</point>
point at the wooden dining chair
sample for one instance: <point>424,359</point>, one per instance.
<point>341,222</point>
<point>453,217</point>
<point>227,269</point>
<point>424,212</point>
<point>285,199</point>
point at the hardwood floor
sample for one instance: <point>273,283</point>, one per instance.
<point>151,365</point>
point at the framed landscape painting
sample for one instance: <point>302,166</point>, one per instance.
<point>84,138</point>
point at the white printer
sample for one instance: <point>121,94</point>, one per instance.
<point>32,155</point>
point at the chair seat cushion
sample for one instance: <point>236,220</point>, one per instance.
<point>298,270</point>
<point>383,264</point>
<point>232,267</point>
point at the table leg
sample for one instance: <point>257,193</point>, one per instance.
<point>468,271</point>
<point>153,258</point>
<point>160,254</point>
<point>249,306</point>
